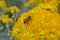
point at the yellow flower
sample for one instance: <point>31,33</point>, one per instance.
<point>14,9</point>
<point>34,2</point>
<point>26,4</point>
<point>5,19</point>
<point>3,4</point>
<point>42,23</point>
<point>57,34</point>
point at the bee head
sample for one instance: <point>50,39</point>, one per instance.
<point>28,18</point>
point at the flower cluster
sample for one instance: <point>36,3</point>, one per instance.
<point>34,2</point>
<point>5,19</point>
<point>14,9</point>
<point>37,24</point>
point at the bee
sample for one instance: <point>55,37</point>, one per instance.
<point>28,18</point>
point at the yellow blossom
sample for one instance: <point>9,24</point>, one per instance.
<point>42,24</point>
<point>5,19</point>
<point>34,2</point>
<point>3,4</point>
<point>14,9</point>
